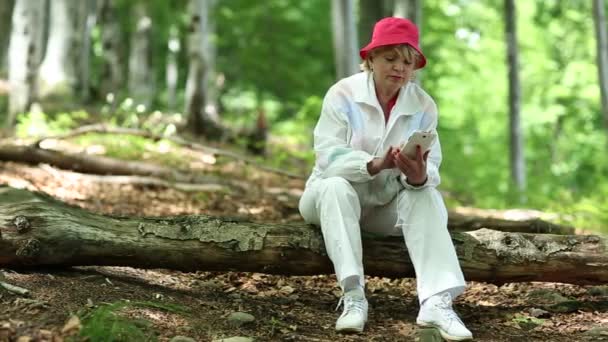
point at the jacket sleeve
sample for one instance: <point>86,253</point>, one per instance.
<point>429,123</point>
<point>335,155</point>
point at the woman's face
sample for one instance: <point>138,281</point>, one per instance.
<point>391,70</point>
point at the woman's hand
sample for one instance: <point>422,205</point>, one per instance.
<point>379,164</point>
<point>413,168</point>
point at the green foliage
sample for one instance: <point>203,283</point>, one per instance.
<point>527,322</point>
<point>38,124</point>
<point>130,147</point>
<point>105,323</point>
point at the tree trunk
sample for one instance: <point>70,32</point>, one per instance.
<point>172,70</point>
<point>345,38</point>
<point>88,19</point>
<point>36,230</point>
<point>99,165</point>
<point>200,121</point>
<point>410,9</point>
<point>141,79</point>
<point>24,51</point>
<point>112,77</point>
<point>518,166</point>
<point>6,12</point>
<point>370,11</point>
<point>601,34</point>
<point>57,74</point>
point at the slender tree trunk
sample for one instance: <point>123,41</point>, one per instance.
<point>112,78</point>
<point>518,167</point>
<point>345,38</point>
<point>88,18</point>
<point>200,121</point>
<point>6,12</point>
<point>172,70</point>
<point>370,11</point>
<point>141,79</point>
<point>24,51</point>
<point>410,9</point>
<point>601,34</point>
<point>36,230</point>
<point>57,74</point>
<point>209,48</point>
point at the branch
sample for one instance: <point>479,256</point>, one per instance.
<point>103,129</point>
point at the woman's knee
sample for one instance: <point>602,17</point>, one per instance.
<point>429,198</point>
<point>336,186</point>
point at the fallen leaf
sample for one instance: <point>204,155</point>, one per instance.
<point>72,324</point>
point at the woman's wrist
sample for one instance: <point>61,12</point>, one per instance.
<point>417,184</point>
<point>373,166</point>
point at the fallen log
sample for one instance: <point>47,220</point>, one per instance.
<point>162,176</point>
<point>37,230</point>
<point>467,222</point>
<point>100,165</point>
<point>104,129</point>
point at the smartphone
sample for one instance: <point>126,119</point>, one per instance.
<point>425,139</point>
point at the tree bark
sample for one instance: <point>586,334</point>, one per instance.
<point>518,166</point>
<point>601,38</point>
<point>37,230</point>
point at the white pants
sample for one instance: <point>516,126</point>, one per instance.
<point>342,209</point>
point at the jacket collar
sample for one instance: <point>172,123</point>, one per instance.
<point>408,102</point>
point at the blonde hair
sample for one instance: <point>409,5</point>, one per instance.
<point>403,50</point>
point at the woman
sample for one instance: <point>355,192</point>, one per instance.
<point>361,181</point>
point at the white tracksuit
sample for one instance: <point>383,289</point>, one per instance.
<point>342,197</point>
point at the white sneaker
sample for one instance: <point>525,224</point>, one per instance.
<point>437,312</point>
<point>354,316</point>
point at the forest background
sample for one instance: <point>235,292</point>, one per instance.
<point>129,63</point>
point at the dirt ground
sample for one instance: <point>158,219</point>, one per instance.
<point>285,308</point>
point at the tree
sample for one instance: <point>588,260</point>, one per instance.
<point>37,230</point>
<point>518,167</point>
<point>601,34</point>
<point>200,120</point>
<point>141,77</point>
<point>112,73</point>
<point>88,17</point>
<point>345,38</point>
<point>410,9</point>
<point>370,11</point>
<point>24,55</point>
<point>57,74</point>
<point>6,11</point>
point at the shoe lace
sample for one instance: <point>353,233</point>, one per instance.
<point>351,304</point>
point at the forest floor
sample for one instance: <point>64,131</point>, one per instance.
<point>284,308</point>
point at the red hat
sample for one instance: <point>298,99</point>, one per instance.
<point>394,31</point>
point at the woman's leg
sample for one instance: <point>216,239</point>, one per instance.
<point>334,204</point>
<point>421,217</point>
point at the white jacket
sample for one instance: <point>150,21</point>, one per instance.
<point>351,131</point>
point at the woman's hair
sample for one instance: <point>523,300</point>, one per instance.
<point>404,50</point>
